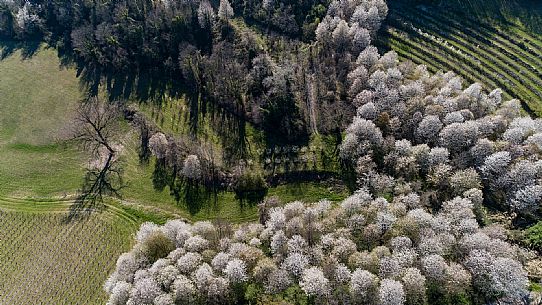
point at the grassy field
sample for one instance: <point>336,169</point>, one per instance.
<point>37,99</point>
<point>43,259</point>
<point>172,118</point>
<point>491,42</point>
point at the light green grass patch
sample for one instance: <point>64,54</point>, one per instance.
<point>37,98</point>
<point>139,188</point>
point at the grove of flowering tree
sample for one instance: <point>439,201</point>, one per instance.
<point>430,156</point>
<point>428,153</point>
<point>428,134</point>
<point>367,250</point>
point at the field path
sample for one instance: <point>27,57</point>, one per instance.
<point>56,206</point>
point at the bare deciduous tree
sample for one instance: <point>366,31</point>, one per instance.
<point>96,127</point>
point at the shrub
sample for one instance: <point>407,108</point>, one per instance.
<point>157,246</point>
<point>250,186</point>
<point>533,236</point>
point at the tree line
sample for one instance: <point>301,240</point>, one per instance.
<point>270,74</point>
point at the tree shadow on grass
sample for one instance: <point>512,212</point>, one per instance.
<point>97,184</point>
<point>193,196</point>
<point>190,194</point>
<point>28,48</point>
<point>161,176</point>
<point>142,83</point>
<point>251,197</point>
<point>130,84</point>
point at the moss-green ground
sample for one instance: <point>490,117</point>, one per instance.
<point>38,98</point>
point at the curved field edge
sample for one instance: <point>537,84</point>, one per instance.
<point>34,165</point>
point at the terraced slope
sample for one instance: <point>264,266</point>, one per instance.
<point>496,54</point>
<point>46,260</point>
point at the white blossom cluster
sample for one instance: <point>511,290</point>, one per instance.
<point>349,24</point>
<point>158,145</point>
<point>368,249</point>
<point>417,130</point>
<point>169,151</point>
<point>427,152</point>
<point>202,269</point>
<point>25,15</point>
